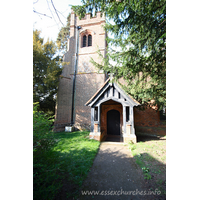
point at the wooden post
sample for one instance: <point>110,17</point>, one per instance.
<point>124,118</point>
<point>92,119</point>
<point>99,119</point>
<point>132,120</point>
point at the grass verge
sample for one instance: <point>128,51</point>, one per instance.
<point>150,155</point>
<point>68,164</point>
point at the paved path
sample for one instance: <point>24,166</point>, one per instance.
<point>114,171</point>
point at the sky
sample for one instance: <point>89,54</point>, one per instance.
<point>50,27</point>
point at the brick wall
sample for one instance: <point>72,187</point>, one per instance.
<point>147,121</point>
<point>88,80</point>
<point>63,105</point>
<point>86,87</point>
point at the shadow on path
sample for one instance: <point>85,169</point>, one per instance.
<point>115,175</point>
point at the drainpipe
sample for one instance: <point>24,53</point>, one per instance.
<point>74,77</point>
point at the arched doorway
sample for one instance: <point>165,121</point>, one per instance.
<point>113,122</point>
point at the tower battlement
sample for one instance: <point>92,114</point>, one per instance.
<point>90,20</point>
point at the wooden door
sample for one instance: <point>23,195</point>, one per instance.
<point>113,122</point>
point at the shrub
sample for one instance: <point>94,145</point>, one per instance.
<point>41,130</point>
<point>44,158</point>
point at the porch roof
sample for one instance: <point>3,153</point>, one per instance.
<point>111,91</point>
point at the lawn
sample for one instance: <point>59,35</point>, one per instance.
<point>150,155</point>
<point>68,165</point>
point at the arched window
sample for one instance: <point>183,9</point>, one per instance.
<point>84,40</point>
<point>89,40</point>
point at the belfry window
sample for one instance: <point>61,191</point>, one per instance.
<point>84,40</point>
<point>87,40</point>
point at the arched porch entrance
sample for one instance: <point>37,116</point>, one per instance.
<point>111,121</point>
<point>113,126</point>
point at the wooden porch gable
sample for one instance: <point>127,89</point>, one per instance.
<point>111,91</point>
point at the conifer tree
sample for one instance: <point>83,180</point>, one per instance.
<point>137,44</point>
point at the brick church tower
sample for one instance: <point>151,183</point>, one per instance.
<point>80,79</point>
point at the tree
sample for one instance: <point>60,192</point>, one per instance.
<point>63,36</point>
<point>139,31</point>
<point>46,71</point>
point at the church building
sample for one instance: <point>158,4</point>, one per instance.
<point>88,99</point>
